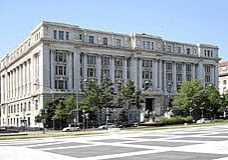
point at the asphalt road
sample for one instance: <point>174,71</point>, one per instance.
<point>198,143</point>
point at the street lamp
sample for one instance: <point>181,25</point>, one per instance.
<point>201,108</point>
<point>169,91</point>
<point>76,110</point>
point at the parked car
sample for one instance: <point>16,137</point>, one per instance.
<point>107,126</point>
<point>203,120</point>
<point>71,128</point>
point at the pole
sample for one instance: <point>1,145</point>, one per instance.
<point>77,101</point>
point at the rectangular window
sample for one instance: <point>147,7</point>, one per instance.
<point>179,67</point>
<point>178,49</point>
<point>169,66</point>
<point>148,45</point>
<point>67,35</point>
<point>118,73</point>
<point>105,41</point>
<point>179,77</point>
<point>152,45</point>
<point>61,84</point>
<point>144,44</point>
<point>118,42</point>
<point>207,69</point>
<point>80,36</point>
<point>91,39</point>
<point>60,70</point>
<point>118,62</point>
<point>105,73</point>
<point>224,82</point>
<point>188,67</point>
<point>211,53</point>
<point>105,61</point>
<point>60,57</point>
<point>147,75</point>
<point>91,72</point>
<point>189,77</point>
<point>55,34</point>
<point>169,48</point>
<point>188,51</point>
<point>147,63</point>
<point>208,53</point>
<point>169,77</point>
<point>61,35</point>
<point>207,78</point>
<point>91,60</point>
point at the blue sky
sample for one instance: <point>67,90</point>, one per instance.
<point>193,21</point>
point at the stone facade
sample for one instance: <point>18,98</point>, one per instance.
<point>223,77</point>
<point>57,57</point>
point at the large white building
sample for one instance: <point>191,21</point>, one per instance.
<point>55,59</point>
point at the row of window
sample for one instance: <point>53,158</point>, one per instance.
<point>17,121</point>
<point>18,108</point>
<point>208,53</point>
<point>61,35</point>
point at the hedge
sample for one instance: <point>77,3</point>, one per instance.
<point>176,120</point>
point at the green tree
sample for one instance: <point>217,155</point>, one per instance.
<point>223,104</point>
<point>190,97</point>
<point>212,100</point>
<point>127,97</point>
<point>47,113</point>
<point>97,97</point>
<point>64,109</point>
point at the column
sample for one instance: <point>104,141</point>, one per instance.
<point>216,75</point>
<point>112,69</point>
<point>134,72</point>
<point>160,74</point>
<point>29,75</point>
<point>193,71</point>
<point>12,81</point>
<point>69,70</point>
<point>140,73</point>
<point>165,79</point>
<point>10,84</point>
<point>77,68</point>
<point>15,82</point>
<point>52,78</point>
<point>98,69</point>
<point>125,69</point>
<point>212,74</point>
<point>25,78</point>
<point>174,77</point>
<point>18,81</point>
<point>155,77</point>
<point>201,72</point>
<point>85,67</point>
<point>184,72</point>
<point>21,80</point>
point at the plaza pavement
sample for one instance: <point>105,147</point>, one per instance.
<point>197,143</point>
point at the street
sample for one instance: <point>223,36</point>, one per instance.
<point>196,143</point>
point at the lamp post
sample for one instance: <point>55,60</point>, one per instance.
<point>44,120</point>
<point>76,110</point>
<point>201,108</point>
<point>169,92</point>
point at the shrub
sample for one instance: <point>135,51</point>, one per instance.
<point>176,120</point>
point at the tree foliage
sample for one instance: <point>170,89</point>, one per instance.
<point>194,98</point>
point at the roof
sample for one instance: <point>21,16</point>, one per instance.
<point>223,64</point>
